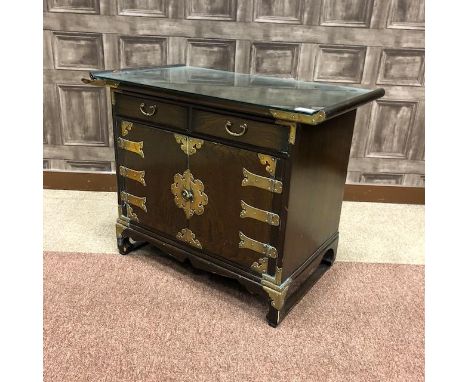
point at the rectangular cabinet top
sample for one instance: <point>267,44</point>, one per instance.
<point>285,99</point>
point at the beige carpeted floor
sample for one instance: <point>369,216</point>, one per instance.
<point>145,317</point>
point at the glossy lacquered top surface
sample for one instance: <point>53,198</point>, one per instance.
<point>270,92</point>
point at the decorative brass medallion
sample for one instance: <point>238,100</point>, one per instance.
<point>125,127</point>
<point>188,145</point>
<point>189,237</point>
<point>134,147</point>
<point>134,200</point>
<point>255,180</point>
<point>261,265</point>
<point>257,246</point>
<point>188,194</point>
<point>256,213</point>
<point>138,176</point>
<point>269,162</point>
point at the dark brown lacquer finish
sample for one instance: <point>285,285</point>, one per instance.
<point>240,182</point>
<point>151,110</point>
<point>242,130</point>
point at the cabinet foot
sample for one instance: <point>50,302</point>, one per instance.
<point>274,316</point>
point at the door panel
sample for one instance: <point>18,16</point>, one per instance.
<point>220,169</point>
<point>162,160</point>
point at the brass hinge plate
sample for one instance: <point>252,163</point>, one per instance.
<point>257,246</point>
<point>269,162</point>
<point>130,214</point>
<point>255,180</point>
<point>125,127</point>
<point>189,194</point>
<point>189,237</point>
<point>134,147</point>
<point>138,176</point>
<point>134,200</point>
<point>261,215</point>
<point>188,145</point>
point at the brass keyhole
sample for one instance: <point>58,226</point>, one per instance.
<point>187,194</point>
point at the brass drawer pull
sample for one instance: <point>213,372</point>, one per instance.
<point>152,109</point>
<point>243,127</point>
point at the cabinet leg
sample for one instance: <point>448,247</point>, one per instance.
<point>274,316</point>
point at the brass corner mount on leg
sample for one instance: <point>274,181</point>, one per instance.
<point>272,285</point>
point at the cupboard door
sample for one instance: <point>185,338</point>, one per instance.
<point>147,171</point>
<point>221,170</point>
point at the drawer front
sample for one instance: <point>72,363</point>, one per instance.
<point>243,130</point>
<point>151,110</point>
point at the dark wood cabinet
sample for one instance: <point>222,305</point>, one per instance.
<point>247,184</point>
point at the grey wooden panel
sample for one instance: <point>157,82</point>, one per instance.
<point>366,43</point>
<point>391,124</point>
<point>213,54</point>
<point>142,51</point>
<point>220,29</point>
<point>210,9</point>
<point>78,51</point>
<point>382,178</point>
<point>401,67</point>
<point>151,8</point>
<point>75,6</point>
<point>88,166</point>
<point>340,63</point>
<point>83,115</point>
<point>406,14</point>
<point>279,11</point>
<point>275,59</point>
<point>355,13</point>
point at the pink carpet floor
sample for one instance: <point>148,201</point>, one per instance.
<point>145,317</point>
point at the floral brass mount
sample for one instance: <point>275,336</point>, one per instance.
<point>188,194</point>
<point>125,127</point>
<point>189,237</point>
<point>188,145</point>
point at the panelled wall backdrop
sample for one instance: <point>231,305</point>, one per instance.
<point>363,43</point>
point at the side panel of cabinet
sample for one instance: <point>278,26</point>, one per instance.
<point>162,159</point>
<point>220,168</point>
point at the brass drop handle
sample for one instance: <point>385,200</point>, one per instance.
<point>152,109</point>
<point>243,127</point>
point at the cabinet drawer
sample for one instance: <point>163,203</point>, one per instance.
<point>243,130</point>
<point>151,110</point>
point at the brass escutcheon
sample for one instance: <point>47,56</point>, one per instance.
<point>188,194</point>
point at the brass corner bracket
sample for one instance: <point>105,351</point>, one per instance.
<point>94,82</point>
<point>308,119</point>
<point>276,291</point>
